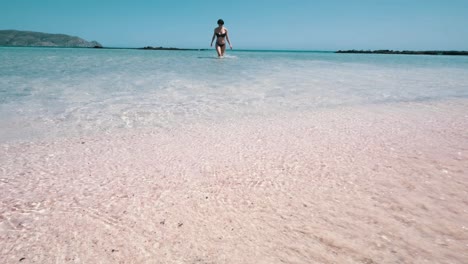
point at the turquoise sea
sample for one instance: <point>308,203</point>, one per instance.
<point>59,91</point>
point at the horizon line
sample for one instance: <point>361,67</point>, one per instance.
<point>160,48</point>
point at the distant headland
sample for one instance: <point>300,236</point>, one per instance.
<point>408,52</point>
<point>17,38</point>
<point>38,39</point>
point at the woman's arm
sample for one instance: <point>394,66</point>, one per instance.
<point>214,35</point>
<point>227,38</point>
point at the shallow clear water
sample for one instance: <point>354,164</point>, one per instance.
<point>56,92</point>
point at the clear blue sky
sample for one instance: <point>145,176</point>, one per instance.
<point>253,24</point>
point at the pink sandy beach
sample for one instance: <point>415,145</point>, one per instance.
<point>375,184</point>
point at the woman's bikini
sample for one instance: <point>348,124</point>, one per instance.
<point>220,35</point>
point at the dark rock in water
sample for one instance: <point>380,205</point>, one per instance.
<point>157,48</point>
<point>407,52</point>
<point>161,48</point>
<point>39,39</point>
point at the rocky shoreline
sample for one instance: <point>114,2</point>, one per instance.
<point>407,52</point>
<point>164,48</point>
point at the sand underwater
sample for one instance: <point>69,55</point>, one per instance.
<point>373,184</point>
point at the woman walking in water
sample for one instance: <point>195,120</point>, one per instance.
<point>221,34</point>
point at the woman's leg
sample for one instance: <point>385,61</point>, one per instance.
<point>219,50</point>
<point>223,49</point>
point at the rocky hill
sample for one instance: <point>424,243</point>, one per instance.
<point>39,39</point>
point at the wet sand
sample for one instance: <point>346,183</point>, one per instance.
<point>374,184</point>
